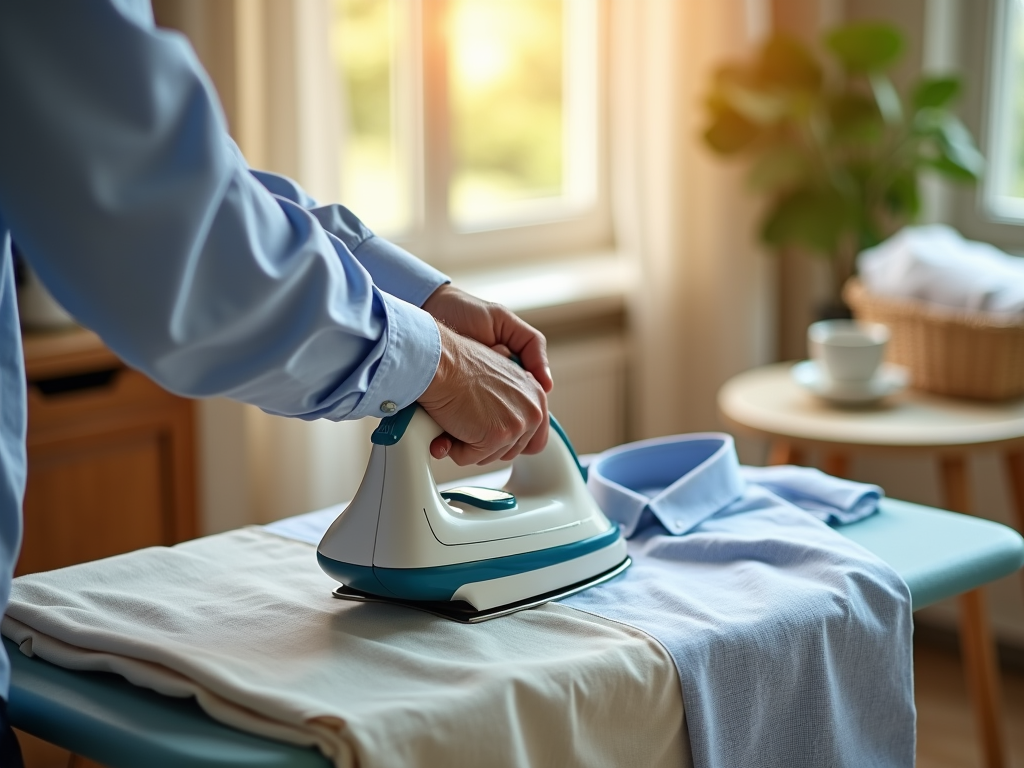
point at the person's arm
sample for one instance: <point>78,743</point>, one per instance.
<point>401,274</point>
<point>393,269</point>
<point>125,200</point>
<point>121,191</point>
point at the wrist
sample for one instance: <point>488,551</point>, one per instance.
<point>447,368</point>
<point>438,295</point>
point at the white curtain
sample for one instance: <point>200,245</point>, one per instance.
<point>704,307</point>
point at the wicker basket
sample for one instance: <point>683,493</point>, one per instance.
<point>963,353</point>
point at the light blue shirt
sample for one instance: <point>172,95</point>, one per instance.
<point>123,191</point>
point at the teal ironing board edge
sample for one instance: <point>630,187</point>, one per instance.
<point>939,554</point>
<point>107,719</point>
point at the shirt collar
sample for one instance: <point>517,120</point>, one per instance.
<point>682,480</point>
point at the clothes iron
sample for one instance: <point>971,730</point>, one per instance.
<point>470,553</point>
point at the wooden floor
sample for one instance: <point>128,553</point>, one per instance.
<point>945,727</point>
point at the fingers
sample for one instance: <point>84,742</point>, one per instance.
<point>441,446</point>
<point>493,325</point>
<point>526,341</point>
<point>540,438</point>
<point>503,448</point>
<point>489,407</point>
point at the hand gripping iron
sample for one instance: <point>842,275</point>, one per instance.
<point>471,553</point>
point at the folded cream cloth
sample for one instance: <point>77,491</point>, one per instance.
<point>245,622</point>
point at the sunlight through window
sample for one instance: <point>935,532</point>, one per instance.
<point>1004,187</point>
<point>507,115</point>
<point>471,128</point>
<point>375,173</point>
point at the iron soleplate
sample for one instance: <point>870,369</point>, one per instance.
<point>464,613</point>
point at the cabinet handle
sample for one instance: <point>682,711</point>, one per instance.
<point>78,382</point>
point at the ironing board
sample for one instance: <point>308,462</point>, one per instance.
<point>104,718</point>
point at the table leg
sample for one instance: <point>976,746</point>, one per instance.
<point>784,452</point>
<point>836,464</point>
<point>976,642</point>
<point>1015,471</point>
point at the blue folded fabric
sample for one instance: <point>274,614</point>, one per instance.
<point>682,480</point>
<point>832,500</point>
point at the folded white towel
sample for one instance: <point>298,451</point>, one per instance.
<point>936,264</point>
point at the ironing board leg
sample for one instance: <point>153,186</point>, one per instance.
<point>784,452</point>
<point>982,676</point>
<point>975,637</point>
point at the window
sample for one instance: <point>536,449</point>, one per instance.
<point>1004,183</point>
<point>473,128</point>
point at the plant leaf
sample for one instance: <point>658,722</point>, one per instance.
<point>935,92</point>
<point>729,131</point>
<point>928,121</point>
<point>902,197</point>
<point>855,119</point>
<point>958,158</point>
<point>814,218</point>
<point>887,99</point>
<point>785,62</point>
<point>865,47</point>
<point>777,168</point>
<point>945,167</point>
<point>757,106</point>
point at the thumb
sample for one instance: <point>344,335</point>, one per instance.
<point>441,446</point>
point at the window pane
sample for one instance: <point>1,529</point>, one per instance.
<point>1004,176</point>
<point>375,173</point>
<point>506,60</point>
<point>1015,180</point>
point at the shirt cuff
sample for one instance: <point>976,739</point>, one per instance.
<point>394,270</point>
<point>411,356</point>
<point>398,272</point>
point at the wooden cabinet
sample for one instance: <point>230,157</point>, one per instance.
<point>110,456</point>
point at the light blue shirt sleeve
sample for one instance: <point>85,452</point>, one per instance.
<point>392,268</point>
<point>123,191</point>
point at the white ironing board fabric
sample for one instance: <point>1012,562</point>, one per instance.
<point>244,621</point>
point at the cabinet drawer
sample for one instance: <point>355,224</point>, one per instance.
<point>94,497</point>
<point>110,467</point>
<point>95,401</point>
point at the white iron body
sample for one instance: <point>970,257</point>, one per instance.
<point>400,539</point>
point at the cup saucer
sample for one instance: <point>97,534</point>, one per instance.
<point>889,379</point>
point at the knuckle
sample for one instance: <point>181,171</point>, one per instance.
<point>515,428</point>
<point>536,414</point>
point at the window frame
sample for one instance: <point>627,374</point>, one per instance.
<point>982,41</point>
<point>420,105</point>
<point>996,206</point>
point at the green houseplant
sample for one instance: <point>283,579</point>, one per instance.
<point>837,151</point>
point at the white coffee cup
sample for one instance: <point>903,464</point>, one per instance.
<point>847,351</point>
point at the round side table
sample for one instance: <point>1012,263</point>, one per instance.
<point>766,402</point>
